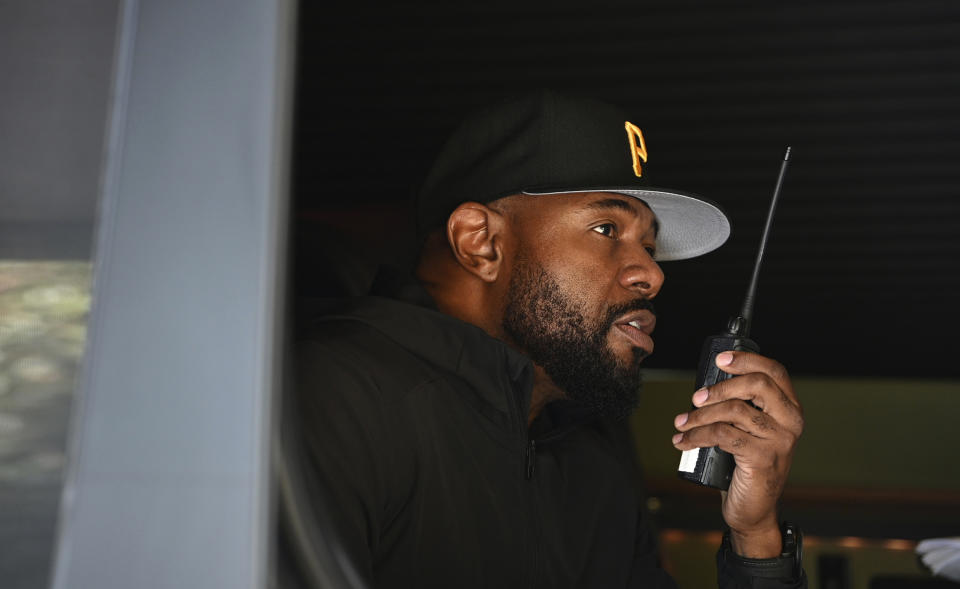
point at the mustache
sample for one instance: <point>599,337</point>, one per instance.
<point>635,305</point>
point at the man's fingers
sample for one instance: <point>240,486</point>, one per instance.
<point>724,435</point>
<point>746,362</point>
<point>765,390</point>
<point>750,451</point>
<point>759,389</point>
<point>735,412</point>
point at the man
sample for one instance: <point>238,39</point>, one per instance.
<point>462,432</point>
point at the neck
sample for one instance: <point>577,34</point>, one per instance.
<point>544,391</point>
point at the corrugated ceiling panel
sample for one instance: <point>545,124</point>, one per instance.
<point>865,257</point>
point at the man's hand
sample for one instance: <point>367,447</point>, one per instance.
<point>760,437</point>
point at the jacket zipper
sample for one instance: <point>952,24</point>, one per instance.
<point>530,465</point>
<point>530,462</point>
<point>531,457</point>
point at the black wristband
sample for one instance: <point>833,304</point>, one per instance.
<point>787,567</point>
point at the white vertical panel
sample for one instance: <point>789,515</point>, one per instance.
<point>168,484</point>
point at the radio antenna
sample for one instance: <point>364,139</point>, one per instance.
<point>741,325</point>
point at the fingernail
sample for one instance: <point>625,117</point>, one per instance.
<point>677,438</point>
<point>724,358</point>
<point>680,419</point>
<point>700,396</point>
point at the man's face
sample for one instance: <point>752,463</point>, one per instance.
<point>579,296</point>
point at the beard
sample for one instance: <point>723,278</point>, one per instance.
<point>550,327</point>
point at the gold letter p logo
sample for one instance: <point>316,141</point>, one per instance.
<point>638,149</point>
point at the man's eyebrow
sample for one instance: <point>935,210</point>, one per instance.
<point>616,203</point>
<point>611,203</point>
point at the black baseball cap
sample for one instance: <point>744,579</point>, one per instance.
<point>547,143</point>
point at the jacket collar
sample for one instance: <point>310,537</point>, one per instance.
<point>403,311</point>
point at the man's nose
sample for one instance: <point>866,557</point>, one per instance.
<point>640,273</point>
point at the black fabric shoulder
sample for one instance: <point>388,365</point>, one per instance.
<point>338,345</point>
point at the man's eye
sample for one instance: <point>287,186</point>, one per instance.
<point>651,251</point>
<point>607,229</point>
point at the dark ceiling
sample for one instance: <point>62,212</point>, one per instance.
<point>864,260</point>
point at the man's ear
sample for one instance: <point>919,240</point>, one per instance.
<point>475,233</point>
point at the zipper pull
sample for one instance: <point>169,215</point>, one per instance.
<point>531,458</point>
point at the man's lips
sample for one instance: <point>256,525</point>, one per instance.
<point>638,326</point>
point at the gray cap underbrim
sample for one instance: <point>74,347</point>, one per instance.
<point>689,225</point>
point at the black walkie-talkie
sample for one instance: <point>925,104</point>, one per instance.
<point>712,466</point>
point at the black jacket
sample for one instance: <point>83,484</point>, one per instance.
<point>415,434</point>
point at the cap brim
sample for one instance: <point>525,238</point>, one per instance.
<point>690,225</point>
